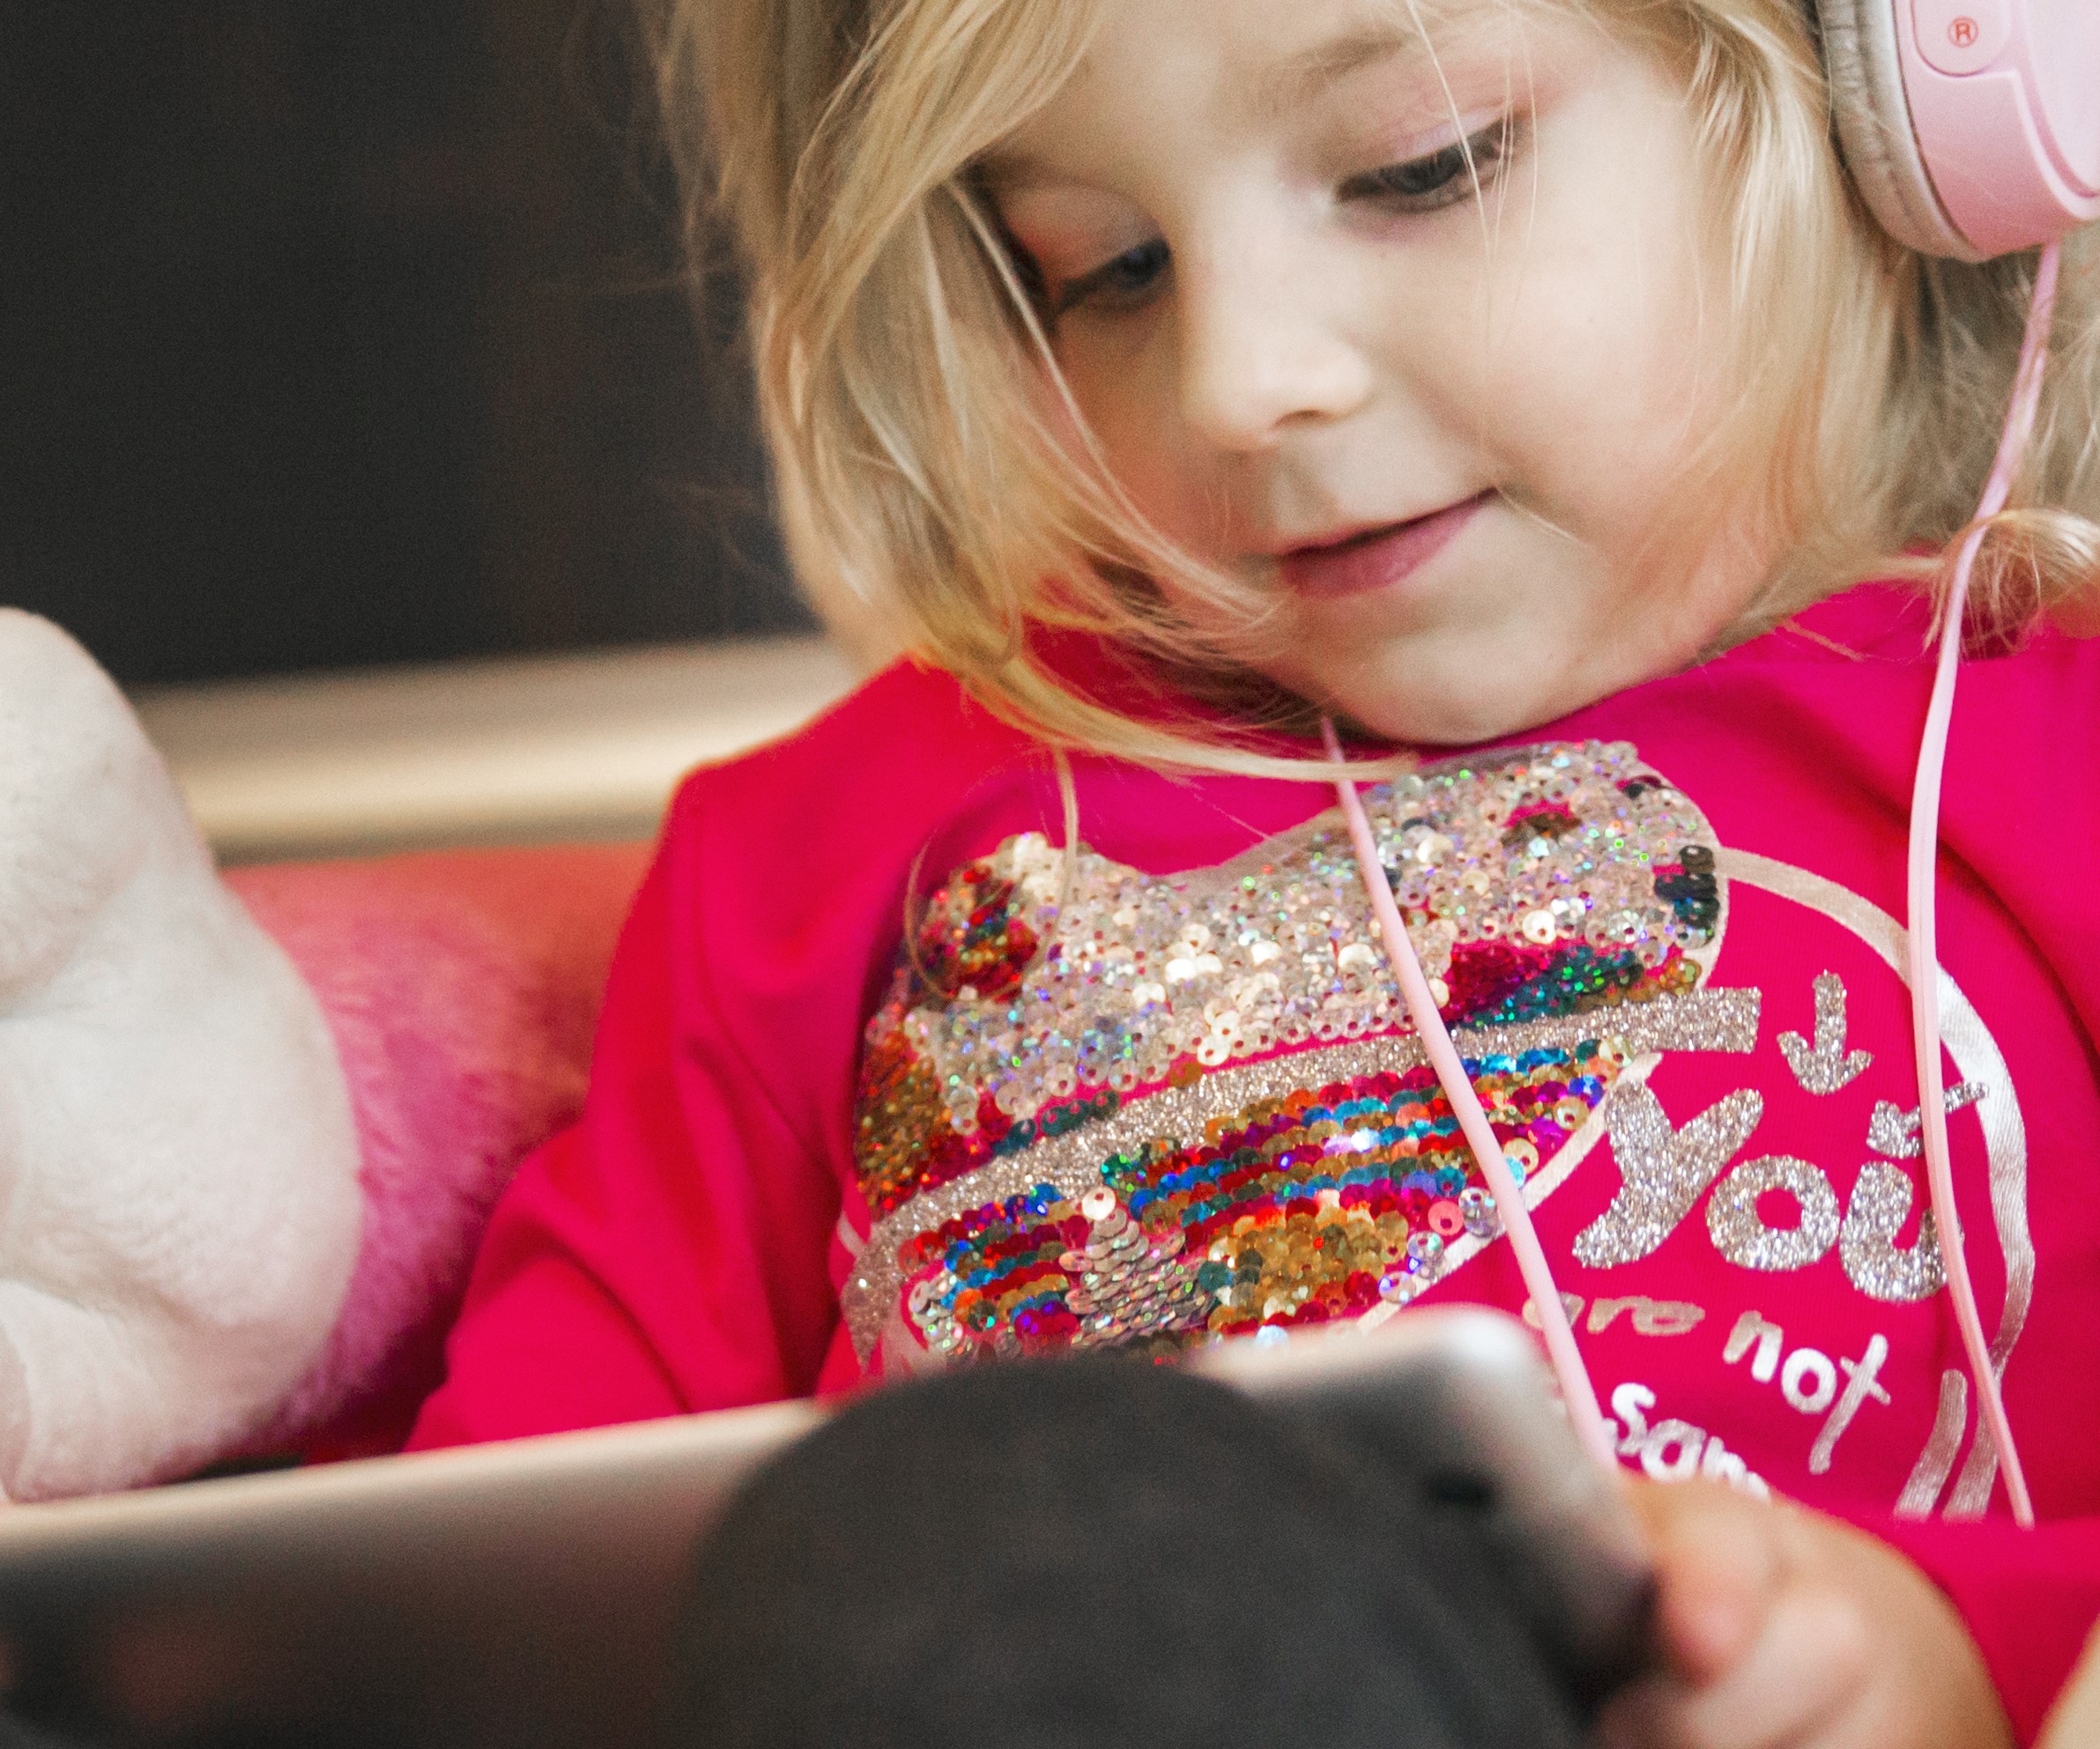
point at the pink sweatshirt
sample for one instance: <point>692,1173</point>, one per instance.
<point>1168,1089</point>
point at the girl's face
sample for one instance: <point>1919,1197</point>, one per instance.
<point>1441,432</point>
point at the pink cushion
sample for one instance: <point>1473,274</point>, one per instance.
<point>462,988</point>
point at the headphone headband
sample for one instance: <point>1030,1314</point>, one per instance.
<point>1971,127</point>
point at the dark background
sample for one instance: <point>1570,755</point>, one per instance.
<point>347,332</point>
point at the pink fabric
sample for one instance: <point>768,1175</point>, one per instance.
<point>682,1247</point>
<point>461,990</point>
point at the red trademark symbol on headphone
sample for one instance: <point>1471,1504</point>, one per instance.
<point>1963,32</point>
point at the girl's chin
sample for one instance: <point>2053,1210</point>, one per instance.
<point>1448,690</point>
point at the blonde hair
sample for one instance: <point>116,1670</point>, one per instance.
<point>925,478</point>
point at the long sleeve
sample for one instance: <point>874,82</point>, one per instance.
<point>668,1253</point>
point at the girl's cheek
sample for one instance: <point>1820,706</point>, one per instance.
<point>1133,414</point>
<point>1600,403</point>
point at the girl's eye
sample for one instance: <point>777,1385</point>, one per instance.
<point>1123,284</point>
<point>1438,178</point>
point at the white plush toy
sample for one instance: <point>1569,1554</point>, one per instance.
<point>180,1210</point>
<point>251,1127</point>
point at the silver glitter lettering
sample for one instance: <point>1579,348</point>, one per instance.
<point>1881,1204</point>
<point>1740,1232</point>
<point>1826,1066</point>
<point>1718,1464</point>
<point>1863,1379</point>
<point>1671,1436</point>
<point>1976,1057</point>
<point>1649,1317</point>
<point>1571,1303</point>
<point>1808,1381</point>
<point>1664,1171</point>
<point>1667,1318</point>
<point>1631,1403</point>
<point>1754,1329</point>
<point>1893,1132</point>
<point>1602,1311</point>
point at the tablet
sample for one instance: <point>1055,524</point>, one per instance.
<point>523,1594</point>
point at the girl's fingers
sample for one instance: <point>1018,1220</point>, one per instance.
<point>1720,1562</point>
<point>1796,1686</point>
<point>1783,1629</point>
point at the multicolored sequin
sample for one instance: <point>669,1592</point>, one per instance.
<point>1314,1207</point>
<point>1564,902</point>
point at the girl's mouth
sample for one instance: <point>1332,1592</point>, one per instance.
<point>1376,558</point>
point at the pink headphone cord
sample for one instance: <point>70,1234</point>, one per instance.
<point>1923,933</point>
<point>1576,1388</point>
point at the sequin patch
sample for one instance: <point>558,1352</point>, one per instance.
<point>1293,1210</point>
<point>1549,881</point>
<point>1224,1056</point>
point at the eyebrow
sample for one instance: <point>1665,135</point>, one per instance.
<point>1305,74</point>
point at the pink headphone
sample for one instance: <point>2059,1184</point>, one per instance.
<point>1971,127</point>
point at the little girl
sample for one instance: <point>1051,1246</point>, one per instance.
<point>1523,385</point>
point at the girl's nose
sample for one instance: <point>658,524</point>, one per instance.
<point>1263,346</point>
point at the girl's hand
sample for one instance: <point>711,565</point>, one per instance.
<point>1781,1628</point>
<point>2074,1722</point>
<point>178,1166</point>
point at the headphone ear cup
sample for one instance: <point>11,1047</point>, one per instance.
<point>1874,129</point>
